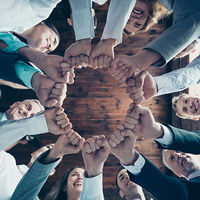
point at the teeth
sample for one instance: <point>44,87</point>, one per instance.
<point>78,183</point>
<point>137,11</point>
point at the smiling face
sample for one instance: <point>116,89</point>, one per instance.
<point>182,164</point>
<point>43,38</point>
<point>188,106</point>
<point>138,17</point>
<point>128,188</point>
<point>24,109</point>
<point>75,182</point>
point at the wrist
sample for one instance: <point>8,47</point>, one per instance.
<point>84,41</point>
<point>35,80</point>
<point>157,130</point>
<point>129,159</point>
<point>109,41</point>
<point>93,171</point>
<point>51,157</point>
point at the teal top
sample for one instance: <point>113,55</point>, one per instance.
<point>12,45</point>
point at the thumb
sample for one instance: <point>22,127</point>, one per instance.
<point>91,57</point>
<point>51,102</point>
<point>140,79</point>
<point>67,56</point>
<point>66,77</point>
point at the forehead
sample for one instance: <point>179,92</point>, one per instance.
<point>121,172</point>
<point>77,170</point>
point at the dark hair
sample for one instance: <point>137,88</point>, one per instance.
<point>57,191</point>
<point>116,183</point>
<point>52,27</point>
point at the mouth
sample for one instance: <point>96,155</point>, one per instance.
<point>47,44</point>
<point>138,11</point>
<point>195,106</point>
<point>78,183</point>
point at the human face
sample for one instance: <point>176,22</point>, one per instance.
<point>21,110</point>
<point>75,182</point>
<point>129,188</point>
<point>188,106</point>
<point>43,38</point>
<point>181,163</point>
<point>138,17</point>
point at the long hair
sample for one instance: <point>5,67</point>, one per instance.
<point>58,192</point>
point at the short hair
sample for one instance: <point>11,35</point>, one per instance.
<point>164,160</point>
<point>38,102</point>
<point>174,105</point>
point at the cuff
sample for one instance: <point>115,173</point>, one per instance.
<point>137,167</point>
<point>167,138</point>
<point>92,188</point>
<point>25,72</point>
<point>37,125</point>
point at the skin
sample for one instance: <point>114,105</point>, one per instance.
<point>128,188</point>
<point>21,110</point>
<point>75,183</point>
<point>189,106</point>
<point>181,163</point>
<point>41,38</point>
<point>138,17</point>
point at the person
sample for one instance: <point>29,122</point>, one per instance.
<point>23,109</point>
<point>142,171</point>
<point>80,53</point>
<point>186,106</point>
<point>34,179</point>
<point>186,21</point>
<point>182,164</point>
<point>11,173</point>
<point>127,188</point>
<point>144,15</point>
<point>53,120</point>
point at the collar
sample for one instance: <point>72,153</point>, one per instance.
<point>194,174</point>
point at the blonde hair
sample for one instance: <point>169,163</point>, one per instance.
<point>164,159</point>
<point>174,105</point>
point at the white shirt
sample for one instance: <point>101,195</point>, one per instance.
<point>179,79</point>
<point>118,15</point>
<point>14,130</point>
<point>194,174</point>
<point>92,188</point>
<point>10,175</point>
<point>20,15</point>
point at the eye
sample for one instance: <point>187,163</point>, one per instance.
<point>171,157</point>
<point>54,42</point>
<point>137,25</point>
<point>28,107</point>
<point>186,101</point>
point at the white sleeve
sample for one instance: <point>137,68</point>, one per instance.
<point>13,130</point>
<point>92,188</point>
<point>137,167</point>
<point>118,15</point>
<point>82,19</point>
<point>167,138</point>
<point>43,8</point>
<point>179,79</point>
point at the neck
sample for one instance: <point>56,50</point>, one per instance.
<point>73,196</point>
<point>28,36</point>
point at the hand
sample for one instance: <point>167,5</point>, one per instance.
<point>141,87</point>
<point>122,143</point>
<point>123,67</point>
<point>102,54</point>
<point>51,66</point>
<point>57,121</point>
<point>48,91</point>
<point>66,68</point>
<point>69,143</point>
<point>141,121</point>
<point>77,55</point>
<point>95,152</point>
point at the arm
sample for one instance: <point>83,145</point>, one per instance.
<point>118,15</point>
<point>179,79</point>
<point>35,178</point>
<point>158,184</point>
<point>185,141</point>
<point>186,28</point>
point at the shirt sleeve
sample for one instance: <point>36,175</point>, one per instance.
<point>118,15</point>
<point>179,79</point>
<point>137,167</point>
<point>32,182</point>
<point>25,72</point>
<point>13,130</point>
<point>13,43</point>
<point>82,19</point>
<point>167,138</point>
<point>92,188</point>
<point>185,29</point>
